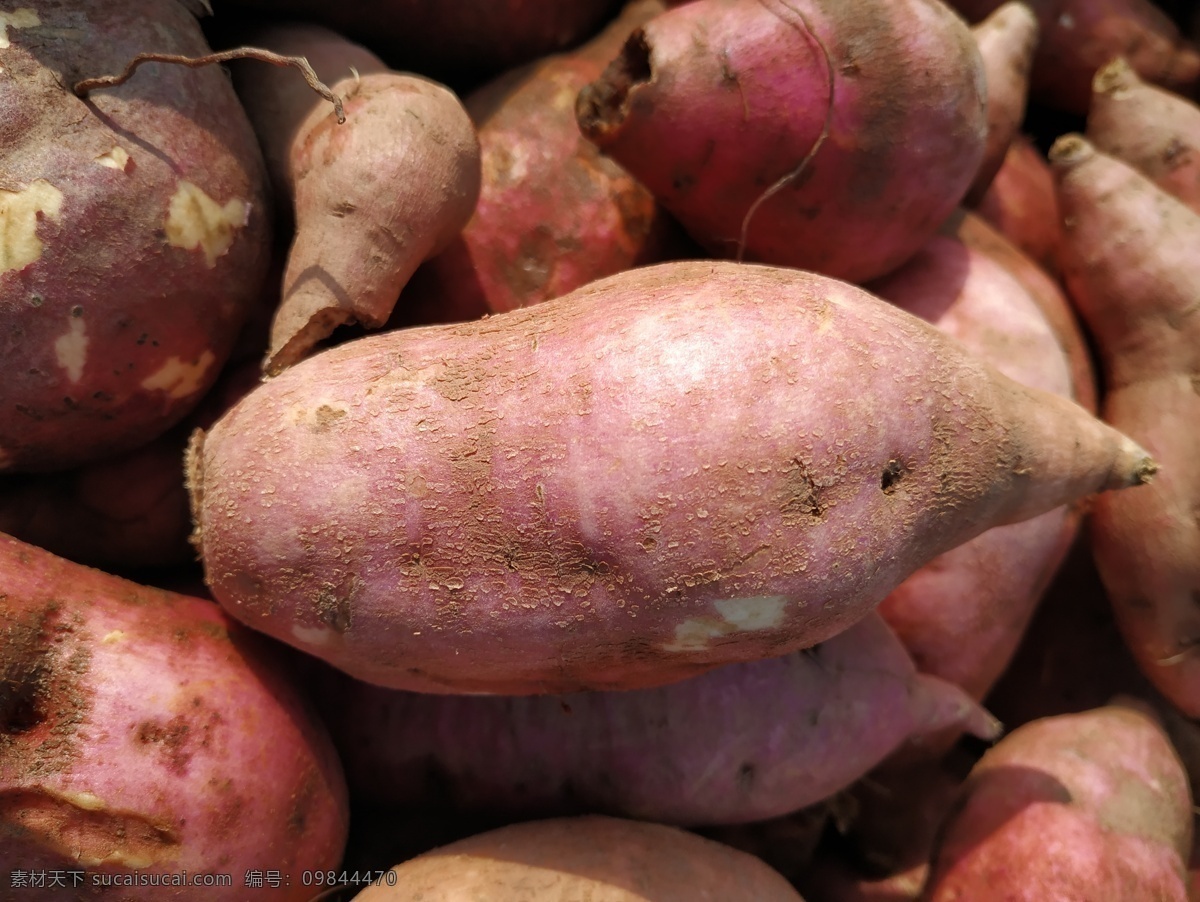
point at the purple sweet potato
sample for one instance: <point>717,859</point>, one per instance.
<point>1007,40</point>
<point>1129,259</point>
<point>135,231</point>
<point>144,735</point>
<point>595,858</point>
<point>684,465</point>
<point>1081,806</point>
<point>1151,129</point>
<point>737,744</point>
<point>962,615</point>
<point>828,136</point>
<point>373,197</point>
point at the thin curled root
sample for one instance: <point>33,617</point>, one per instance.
<point>84,87</point>
<point>778,186</point>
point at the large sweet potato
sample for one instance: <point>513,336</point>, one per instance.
<point>144,736</point>
<point>677,467</point>
<point>133,229</point>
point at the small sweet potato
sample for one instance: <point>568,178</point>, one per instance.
<point>833,137</point>
<point>737,744</point>
<point>134,230</point>
<point>144,735</point>
<point>679,466</point>
<point>1080,806</point>
<point>595,858</point>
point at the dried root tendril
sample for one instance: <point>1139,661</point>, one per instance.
<point>194,62</point>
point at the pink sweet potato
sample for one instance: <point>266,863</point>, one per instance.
<point>680,466</point>
<point>1007,40</point>
<point>1080,36</point>
<point>144,735</point>
<point>1081,806</point>
<point>828,136</point>
<point>595,858</point>
<point>737,744</point>
<point>134,229</point>
<point>1153,130</point>
<point>962,615</point>
<point>1129,258</point>
<point>373,197</point>
<point>553,212</point>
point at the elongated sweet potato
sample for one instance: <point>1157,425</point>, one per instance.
<point>1130,263</point>
<point>373,197</point>
<point>1081,806</point>
<point>600,858</point>
<point>133,229</point>
<point>828,136</point>
<point>737,744</point>
<point>144,736</point>
<point>1021,204</point>
<point>1153,130</point>
<point>680,466</point>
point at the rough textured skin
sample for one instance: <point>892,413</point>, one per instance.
<point>135,229</point>
<point>600,859</point>
<point>1080,36</point>
<point>740,743</point>
<point>460,42</point>
<point>373,197</point>
<point>1021,204</point>
<point>1153,130</point>
<point>525,503</point>
<point>144,733</point>
<point>1129,258</point>
<point>1081,806</point>
<point>1007,40</point>
<point>962,615</point>
<point>756,116</point>
<point>553,213</point>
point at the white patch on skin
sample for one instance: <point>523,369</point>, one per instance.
<point>114,636</point>
<point>116,158</point>
<point>195,220</point>
<point>312,635</point>
<point>179,379</point>
<point>83,800</point>
<point>70,349</point>
<point>761,612</point>
<point>18,18</point>
<point>19,215</point>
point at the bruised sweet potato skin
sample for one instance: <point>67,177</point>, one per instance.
<point>836,136</point>
<point>530,492</point>
<point>737,744</point>
<point>144,732</point>
<point>137,231</point>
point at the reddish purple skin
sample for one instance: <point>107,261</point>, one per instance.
<point>158,320</point>
<point>737,744</point>
<point>715,101</point>
<point>143,731</point>
<point>567,496</point>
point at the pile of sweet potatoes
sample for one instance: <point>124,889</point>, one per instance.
<point>725,449</point>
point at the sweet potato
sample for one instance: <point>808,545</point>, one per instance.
<point>1080,36</point>
<point>962,615</point>
<point>680,466</point>
<point>737,744</point>
<point>1007,40</point>
<point>1130,264</point>
<point>553,212</point>
<point>1081,806</point>
<point>135,229</point>
<point>144,735</point>
<point>1153,130</point>
<point>1021,204</point>
<point>373,197</point>
<point>833,137</point>
<point>595,858</point>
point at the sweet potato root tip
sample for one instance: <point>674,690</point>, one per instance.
<point>1070,150</point>
<point>1114,77</point>
<point>320,325</point>
<point>87,85</point>
<point>601,106</point>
